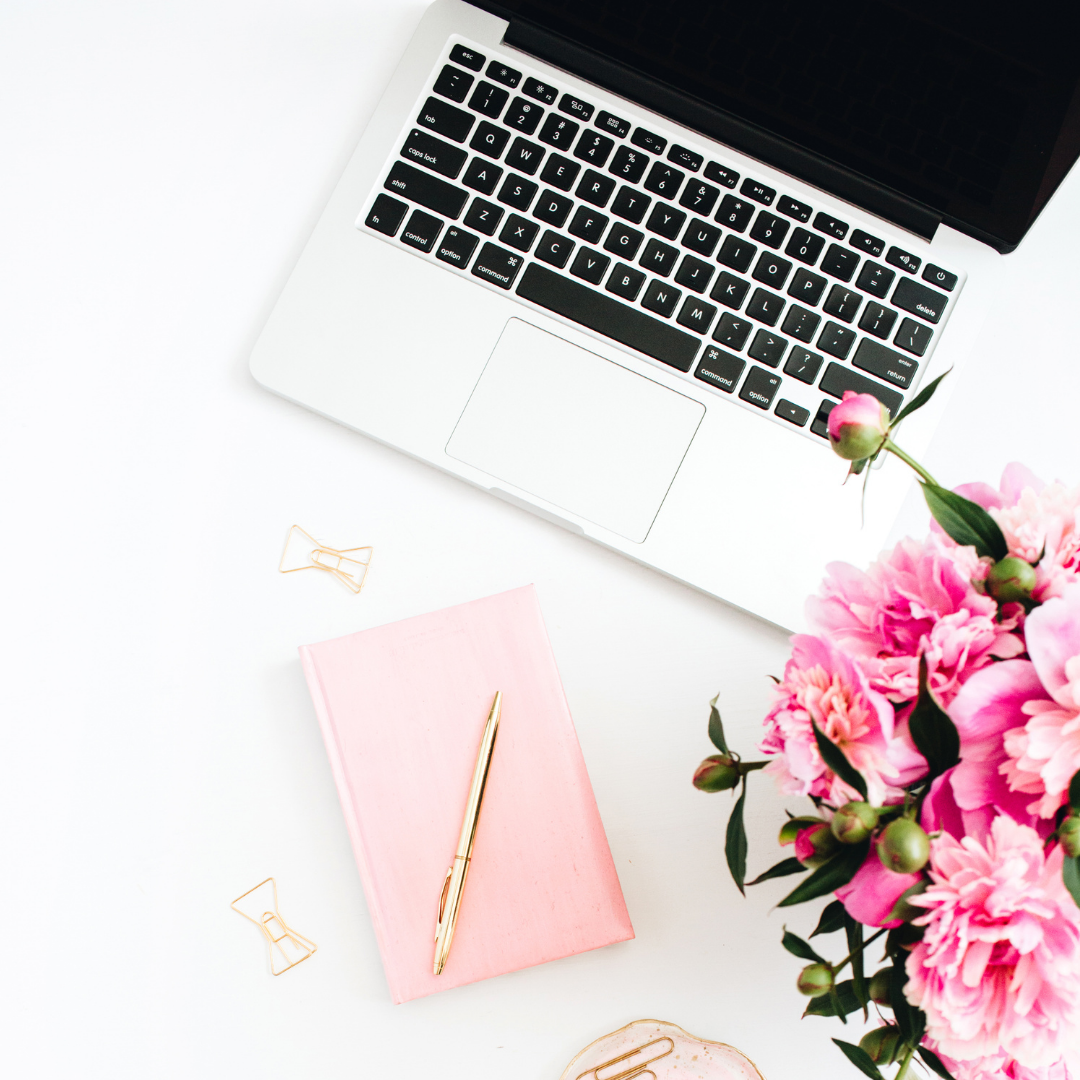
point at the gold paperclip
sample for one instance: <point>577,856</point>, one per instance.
<point>291,947</point>
<point>632,1070</point>
<point>313,555</point>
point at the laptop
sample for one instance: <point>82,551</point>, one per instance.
<point>614,261</point>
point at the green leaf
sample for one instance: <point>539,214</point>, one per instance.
<point>934,733</point>
<point>797,947</point>
<point>1070,874</point>
<point>830,876</point>
<point>716,728</point>
<point>966,522</point>
<point>832,919</point>
<point>834,758</point>
<point>781,869</point>
<point>854,931</point>
<point>825,1006</point>
<point>911,1021</point>
<point>1074,791</point>
<point>859,1058</point>
<point>933,1062</point>
<point>735,845</point>
<point>920,399</point>
<point>902,909</point>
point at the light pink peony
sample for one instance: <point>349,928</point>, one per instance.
<point>820,682</point>
<point>872,893</point>
<point>917,599</point>
<point>1002,1067</point>
<point>998,970</point>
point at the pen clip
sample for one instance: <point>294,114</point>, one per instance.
<point>442,897</point>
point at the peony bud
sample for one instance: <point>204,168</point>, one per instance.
<point>880,982</point>
<point>815,980</point>
<point>882,1044</point>
<point>904,846</point>
<point>717,773</point>
<point>789,831</point>
<point>1010,580</point>
<point>815,845</point>
<point>854,822</point>
<point>858,426</point>
<point>1069,835</point>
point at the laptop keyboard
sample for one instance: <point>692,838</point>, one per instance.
<point>667,249</point>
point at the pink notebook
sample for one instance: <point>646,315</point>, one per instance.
<point>402,708</point>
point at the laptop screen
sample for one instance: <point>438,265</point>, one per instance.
<point>958,105</point>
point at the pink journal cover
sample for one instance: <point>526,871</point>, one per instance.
<point>402,709</point>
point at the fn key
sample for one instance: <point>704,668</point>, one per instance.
<point>386,215</point>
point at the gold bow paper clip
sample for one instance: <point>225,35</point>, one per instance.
<point>287,947</point>
<point>304,552</point>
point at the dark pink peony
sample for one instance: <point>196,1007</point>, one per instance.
<point>873,892</point>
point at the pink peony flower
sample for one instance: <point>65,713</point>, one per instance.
<point>858,426</point>
<point>823,684</point>
<point>918,599</point>
<point>1002,1067</point>
<point>872,893</point>
<point>998,969</point>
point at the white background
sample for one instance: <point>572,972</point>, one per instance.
<point>160,168</point>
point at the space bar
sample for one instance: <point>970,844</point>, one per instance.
<point>598,312</point>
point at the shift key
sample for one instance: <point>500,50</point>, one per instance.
<point>427,190</point>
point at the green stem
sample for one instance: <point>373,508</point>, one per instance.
<point>908,460</point>
<point>905,1063</point>
<point>855,952</point>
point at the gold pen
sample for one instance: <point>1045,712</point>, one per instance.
<point>454,883</point>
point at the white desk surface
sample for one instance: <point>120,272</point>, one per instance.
<point>162,165</point>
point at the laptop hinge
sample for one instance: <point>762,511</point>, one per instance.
<point>722,126</point>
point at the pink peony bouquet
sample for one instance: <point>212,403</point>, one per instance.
<point>932,720</point>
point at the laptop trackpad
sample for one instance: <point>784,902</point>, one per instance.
<point>576,430</point>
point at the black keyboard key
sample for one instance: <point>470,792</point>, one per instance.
<point>482,175</point>
<point>554,249</point>
<point>941,278</point>
<point>803,365</point>
<point>807,287</point>
<point>820,426</point>
<point>767,347</point>
<point>792,413</point>
<point>453,83</point>
<point>699,197</point>
<point>625,281</point>
<point>734,213</point>
<point>797,210</point>
<point>630,204</point>
<point>590,265</point>
<point>497,265</point>
<point>865,242</point>
<point>457,247</point>
<point>685,159</point>
<point>919,300</point>
<point>595,188</point>
<point>886,364</point>
<point>594,148</point>
<point>386,215</point>
<point>804,246</point>
<point>629,164</point>
<point>466,57</point>
<point>488,99</point>
<point>737,253</point>
<point>661,298</point>
<point>560,172</point>
<point>489,140</point>
<point>613,125</point>
<point>875,279</point>
<point>425,189</point>
<point>588,225</point>
<point>877,320</point>
<point>913,336</point>
<point>523,115</point>
<point>765,306</point>
<point>904,259</point>
<point>836,340</point>
<point>732,331</point>
<point>657,257</point>
<point>517,192</point>
<point>721,174</point>
<point>484,216</point>
<point>445,119</point>
<point>597,312</point>
<point>524,155</point>
<point>421,231</point>
<point>696,315</point>
<point>827,224</point>
<point>838,378</point>
<point>720,369</point>
<point>503,74</point>
<point>519,232</point>
<point>664,180</point>
<point>842,303</point>
<point>622,241</point>
<point>701,237</point>
<point>771,270</point>
<point>558,131</point>
<point>541,91</point>
<point>800,323</point>
<point>839,263</point>
<point>576,107</point>
<point>754,189</point>
<point>694,274</point>
<point>648,141</point>
<point>553,208</point>
<point>423,149</point>
<point>666,220</point>
<point>760,387</point>
<point>730,290</point>
<point>769,229</point>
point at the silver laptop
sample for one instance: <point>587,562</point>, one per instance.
<point>614,262</point>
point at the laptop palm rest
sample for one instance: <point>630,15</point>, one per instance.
<point>579,432</point>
